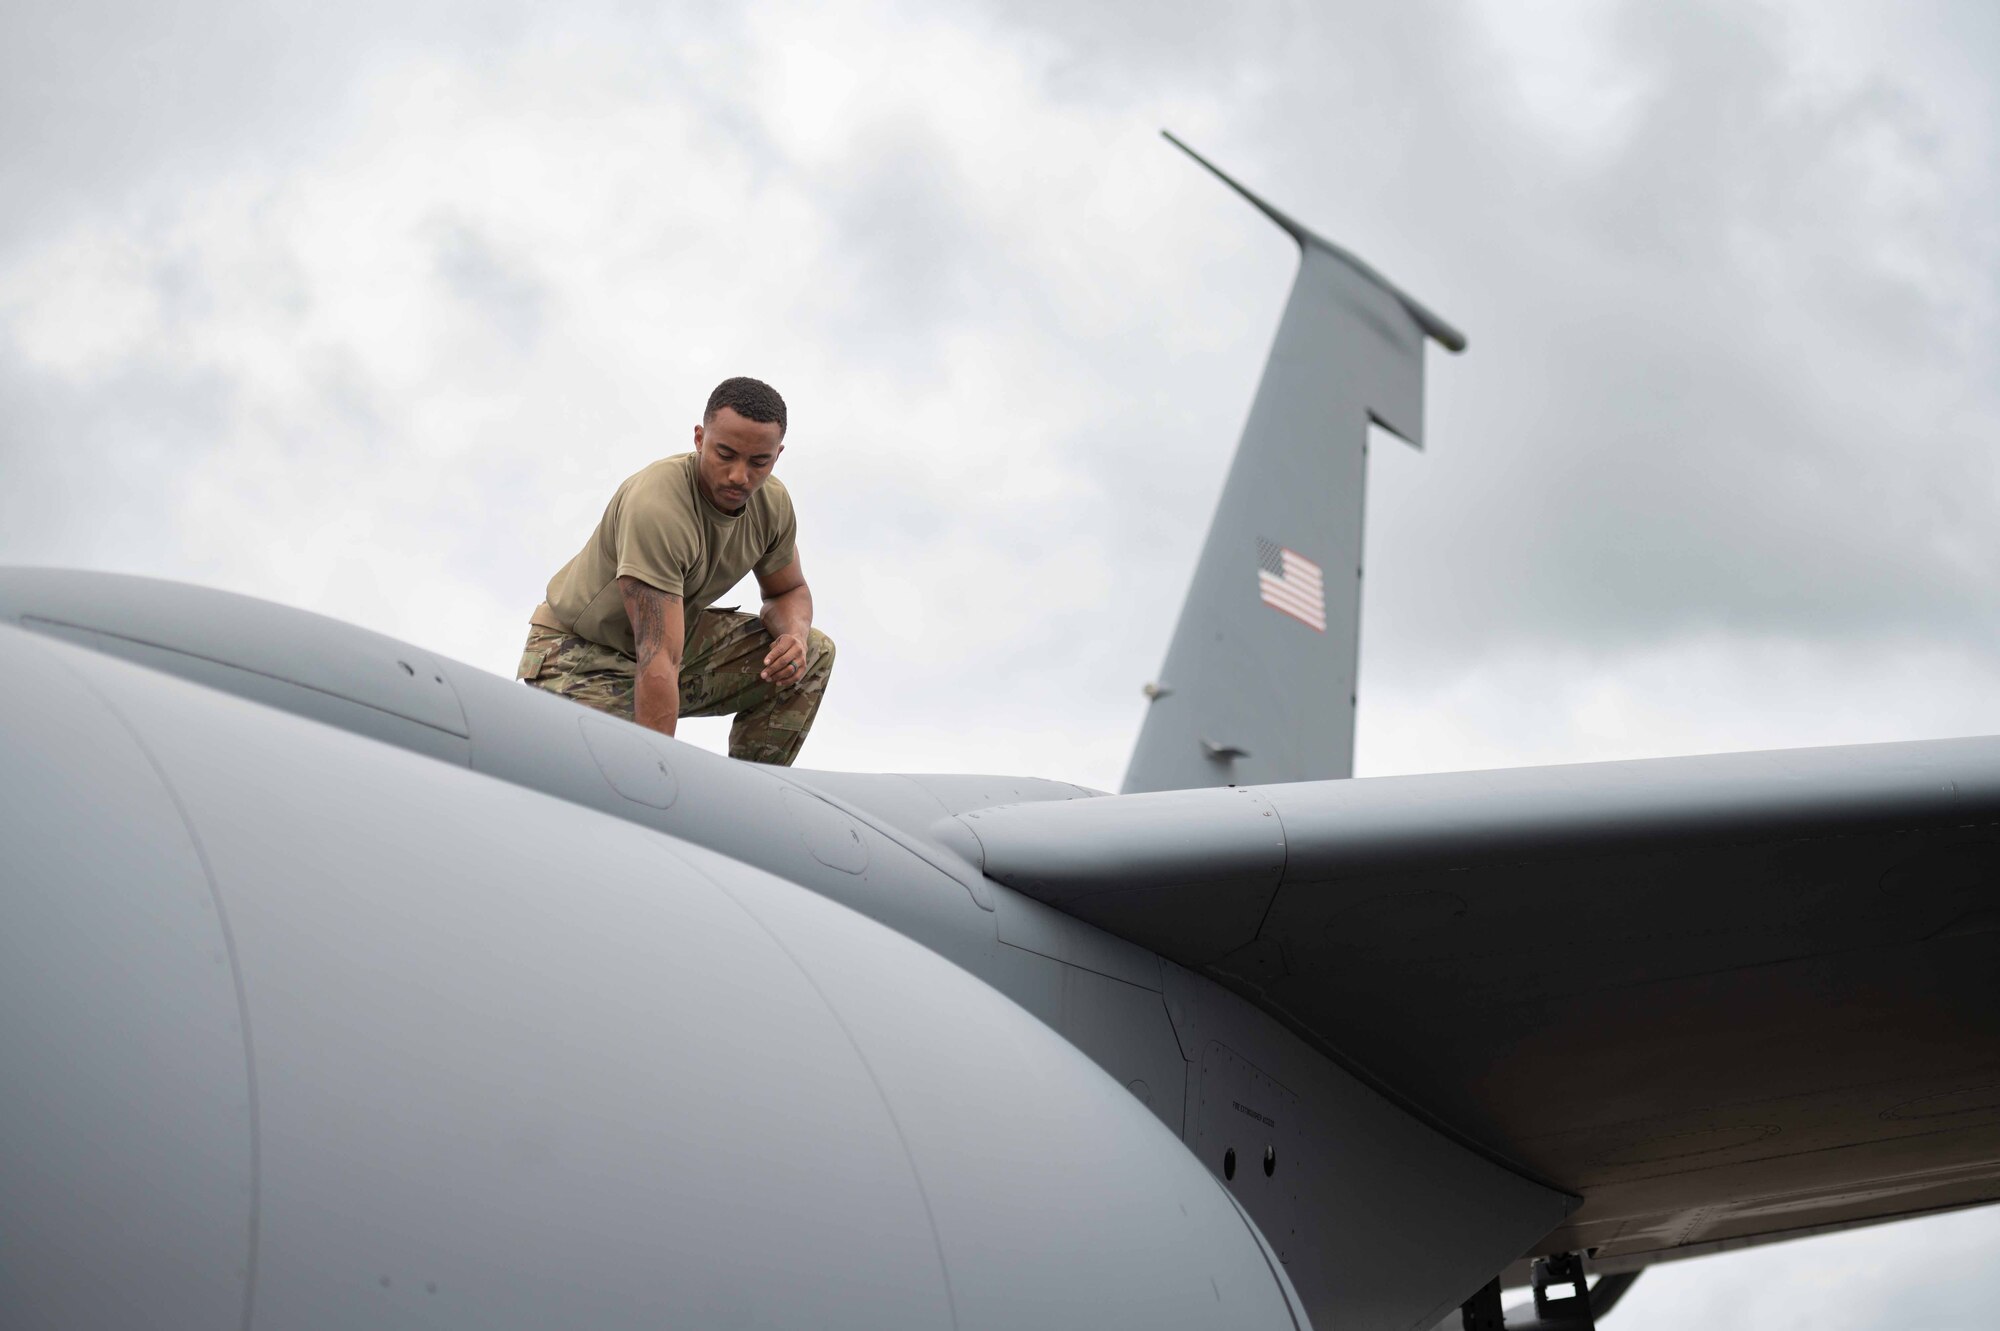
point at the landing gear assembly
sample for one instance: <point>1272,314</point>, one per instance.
<point>1563,1300</point>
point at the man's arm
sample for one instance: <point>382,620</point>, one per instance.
<point>659,632</point>
<point>788,614</point>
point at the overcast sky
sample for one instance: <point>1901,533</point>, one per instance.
<point>367,308</point>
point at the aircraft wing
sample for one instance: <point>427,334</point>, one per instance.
<point>1718,997</point>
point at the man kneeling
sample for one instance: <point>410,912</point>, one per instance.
<point>626,627</point>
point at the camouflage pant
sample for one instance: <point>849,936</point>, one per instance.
<point>719,667</point>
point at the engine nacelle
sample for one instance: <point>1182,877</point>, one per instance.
<point>298,1029</point>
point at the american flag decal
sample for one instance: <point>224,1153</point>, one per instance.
<point>1288,581</point>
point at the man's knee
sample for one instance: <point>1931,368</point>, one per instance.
<point>819,655</point>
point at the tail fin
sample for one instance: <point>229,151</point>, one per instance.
<point>1259,679</point>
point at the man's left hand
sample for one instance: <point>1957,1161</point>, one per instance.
<point>785,663</point>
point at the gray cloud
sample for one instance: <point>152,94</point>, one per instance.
<point>1732,321</point>
<point>1732,339</point>
<point>500,293</point>
<point>94,473</point>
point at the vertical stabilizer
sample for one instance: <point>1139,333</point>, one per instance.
<point>1258,684</point>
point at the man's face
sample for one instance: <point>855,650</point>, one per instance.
<point>734,457</point>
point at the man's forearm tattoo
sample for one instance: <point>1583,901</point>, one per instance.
<point>649,621</point>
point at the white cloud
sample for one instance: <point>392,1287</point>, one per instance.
<point>87,302</point>
<point>1710,694</point>
<point>1925,1274</point>
<point>447,333</point>
<point>1560,58</point>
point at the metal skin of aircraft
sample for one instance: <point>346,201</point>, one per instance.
<point>344,984</point>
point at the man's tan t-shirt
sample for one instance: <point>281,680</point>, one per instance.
<point>660,529</point>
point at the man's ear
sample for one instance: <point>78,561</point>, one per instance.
<point>697,438</point>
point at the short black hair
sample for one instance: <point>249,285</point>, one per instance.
<point>752,399</point>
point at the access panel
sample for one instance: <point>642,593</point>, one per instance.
<point>1247,1131</point>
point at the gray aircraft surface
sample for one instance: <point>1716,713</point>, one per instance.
<point>342,985</point>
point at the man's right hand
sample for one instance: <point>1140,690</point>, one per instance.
<point>659,633</point>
